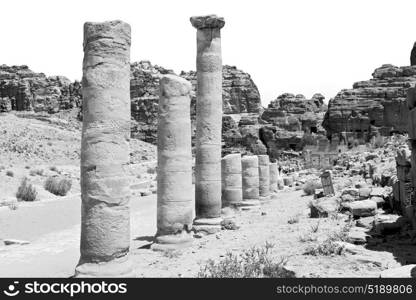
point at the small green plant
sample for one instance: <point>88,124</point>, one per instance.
<point>58,186</point>
<point>26,191</point>
<point>10,173</point>
<point>255,262</point>
<point>310,186</point>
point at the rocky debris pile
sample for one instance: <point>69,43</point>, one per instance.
<point>369,191</point>
<point>375,106</point>
<point>23,89</point>
<point>292,122</point>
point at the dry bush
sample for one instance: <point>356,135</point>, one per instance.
<point>228,224</point>
<point>255,262</point>
<point>58,186</point>
<point>326,248</point>
<point>26,191</point>
<point>310,186</point>
<point>34,172</point>
<point>9,173</point>
<point>53,169</point>
<point>293,219</point>
<point>331,245</point>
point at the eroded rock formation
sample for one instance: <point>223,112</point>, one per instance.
<point>292,122</point>
<point>372,107</point>
<point>22,89</point>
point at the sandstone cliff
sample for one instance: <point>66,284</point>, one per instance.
<point>23,89</point>
<point>293,122</point>
<point>375,106</point>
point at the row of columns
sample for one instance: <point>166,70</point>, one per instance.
<point>105,152</point>
<point>248,180</point>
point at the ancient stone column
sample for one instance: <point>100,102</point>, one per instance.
<point>208,123</point>
<point>250,177</point>
<point>274,173</point>
<point>175,202</point>
<point>232,193</point>
<point>105,152</point>
<point>264,177</point>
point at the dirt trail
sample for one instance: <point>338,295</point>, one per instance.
<point>53,229</point>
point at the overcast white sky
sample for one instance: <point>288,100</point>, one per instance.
<point>297,46</point>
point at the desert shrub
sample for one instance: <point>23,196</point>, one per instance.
<point>26,191</point>
<point>34,172</point>
<point>326,248</point>
<point>310,186</point>
<point>228,224</point>
<point>255,262</point>
<point>9,173</point>
<point>58,186</point>
<point>53,168</point>
<point>13,206</point>
<point>307,238</point>
<point>331,245</point>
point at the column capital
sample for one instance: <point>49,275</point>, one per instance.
<point>209,21</point>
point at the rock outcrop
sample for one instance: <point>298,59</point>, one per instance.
<point>239,92</point>
<point>144,94</point>
<point>372,107</point>
<point>22,89</point>
<point>293,121</point>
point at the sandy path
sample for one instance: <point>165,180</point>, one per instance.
<point>53,229</point>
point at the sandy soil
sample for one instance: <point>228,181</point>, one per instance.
<point>53,231</point>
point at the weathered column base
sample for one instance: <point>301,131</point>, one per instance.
<point>249,204</point>
<point>207,225</point>
<point>116,268</point>
<point>265,198</point>
<point>172,241</point>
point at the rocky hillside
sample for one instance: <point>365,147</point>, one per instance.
<point>23,89</point>
<point>293,122</point>
<point>375,106</point>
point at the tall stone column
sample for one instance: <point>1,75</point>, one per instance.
<point>273,177</point>
<point>175,202</point>
<point>250,179</point>
<point>232,193</point>
<point>105,152</point>
<point>208,123</point>
<point>264,177</point>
